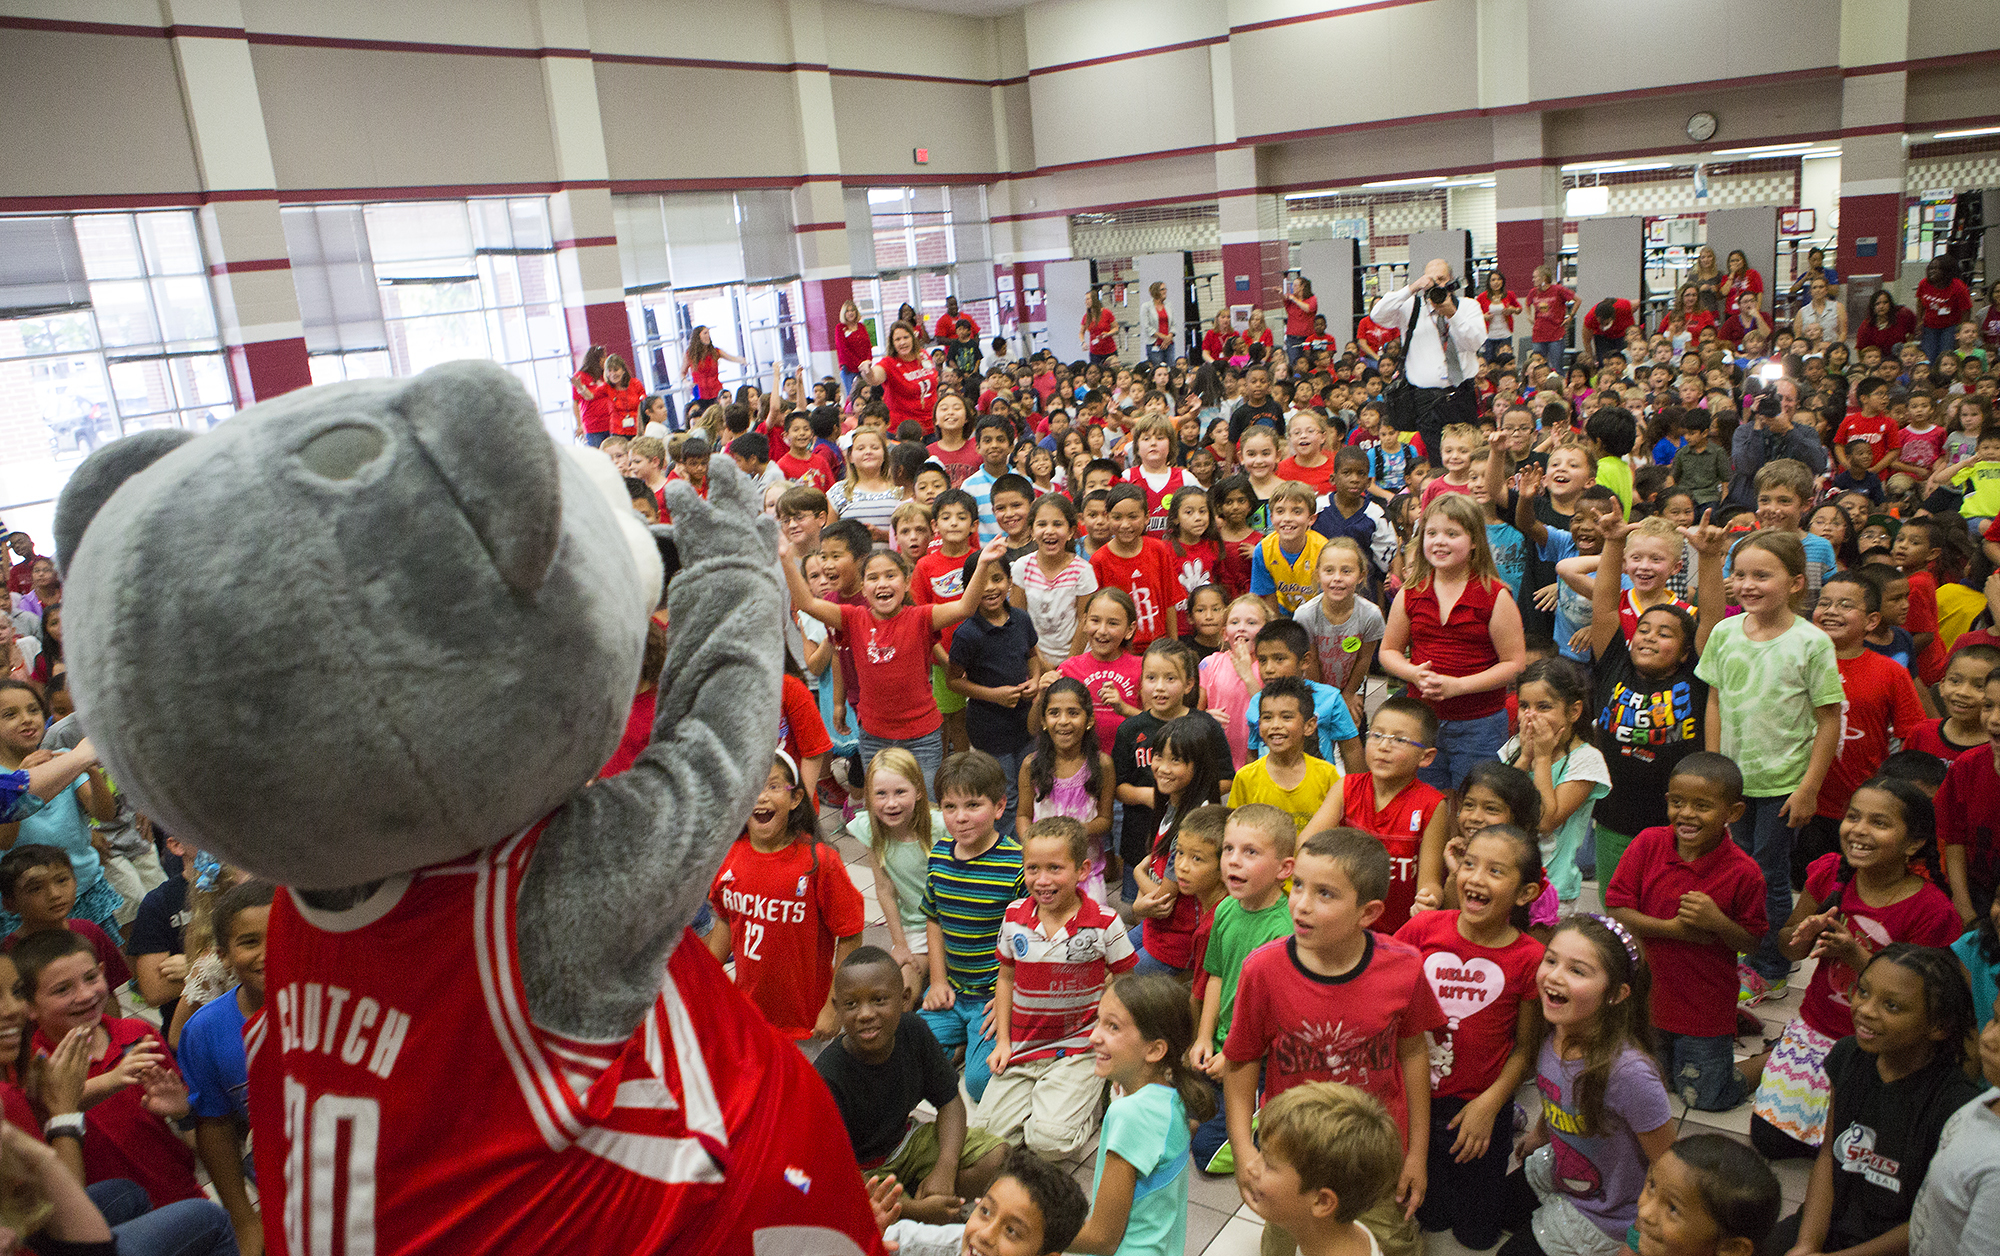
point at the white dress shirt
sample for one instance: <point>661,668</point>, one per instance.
<point>1423,358</point>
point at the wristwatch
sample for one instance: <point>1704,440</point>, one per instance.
<point>65,1125</point>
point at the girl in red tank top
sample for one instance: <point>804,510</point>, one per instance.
<point>1455,635</point>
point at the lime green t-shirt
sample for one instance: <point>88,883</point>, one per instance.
<point>1613,474</point>
<point>1766,692</point>
<point>1234,935</point>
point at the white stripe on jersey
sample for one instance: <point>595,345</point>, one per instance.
<point>553,1110</point>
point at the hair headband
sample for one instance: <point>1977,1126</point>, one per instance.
<point>791,765</point>
<point>1623,935</point>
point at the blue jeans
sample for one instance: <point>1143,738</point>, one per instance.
<point>929,750</point>
<point>1763,833</point>
<point>1937,342</point>
<point>1010,766</point>
<point>192,1227</point>
<point>1491,350</point>
<point>1211,1135</point>
<point>958,1026</point>
<point>1295,347</point>
<point>594,439</point>
<point>1462,743</point>
<point>1551,350</point>
<point>1160,355</point>
<point>1147,965</point>
<point>1702,1071</point>
<point>848,379</point>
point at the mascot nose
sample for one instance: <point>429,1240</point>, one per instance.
<point>344,451</point>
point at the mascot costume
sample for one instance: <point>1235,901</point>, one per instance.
<point>373,641</point>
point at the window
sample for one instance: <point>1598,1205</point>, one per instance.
<point>726,261</point>
<point>107,326</point>
<point>448,280</point>
<point>930,243</point>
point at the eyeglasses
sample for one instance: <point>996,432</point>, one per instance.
<point>1394,740</point>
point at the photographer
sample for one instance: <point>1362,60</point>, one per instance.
<point>1441,355</point>
<point>1771,429</point>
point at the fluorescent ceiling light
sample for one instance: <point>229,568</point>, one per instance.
<point>1432,181</point>
<point>1963,135</point>
<point>1312,196</point>
<point>1469,183</point>
<point>1767,149</point>
<point>1827,152</point>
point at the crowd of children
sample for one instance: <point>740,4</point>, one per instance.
<point>1282,762</point>
<point>1237,778</point>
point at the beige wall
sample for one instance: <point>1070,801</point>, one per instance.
<point>906,41</point>
<point>403,118</point>
<point>677,122</point>
<point>1394,62</point>
<point>881,120</point>
<point>1744,116</point>
<point>1140,105</point>
<point>1943,28</point>
<point>91,115</point>
<point>1588,47</point>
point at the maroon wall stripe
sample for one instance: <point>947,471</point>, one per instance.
<point>589,242</point>
<point>808,227</point>
<point>1210,42</point>
<point>704,63</point>
<point>1321,16</point>
<point>246,267</point>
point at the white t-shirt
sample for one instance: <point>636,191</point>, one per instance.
<point>1052,602</point>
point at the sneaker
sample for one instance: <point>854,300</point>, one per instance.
<point>1753,989</point>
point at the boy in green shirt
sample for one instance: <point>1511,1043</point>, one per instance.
<point>1256,859</point>
<point>1980,482</point>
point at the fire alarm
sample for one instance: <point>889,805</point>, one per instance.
<point>922,156</point>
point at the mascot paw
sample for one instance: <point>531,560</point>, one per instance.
<point>729,524</point>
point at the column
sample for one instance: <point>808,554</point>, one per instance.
<point>1872,177</point>
<point>1527,198</point>
<point>1873,33</point>
<point>1255,253</point>
<point>256,307</point>
<point>819,205</point>
<point>586,233</point>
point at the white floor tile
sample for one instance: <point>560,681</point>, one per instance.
<point>1236,1238</point>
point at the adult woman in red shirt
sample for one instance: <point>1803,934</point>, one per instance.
<point>1100,330</point>
<point>1887,326</point>
<point>624,394</point>
<point>590,397</point>
<point>908,379</point>
<point>1255,334</point>
<point>1946,302</point>
<point>1552,306</point>
<point>704,365</point>
<point>854,345</point>
<point>1740,279</point>
<point>1500,306</point>
<point>1300,307</point>
<point>1687,307</point>
<point>1215,343</point>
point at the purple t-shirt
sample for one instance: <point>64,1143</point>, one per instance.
<point>1602,1172</point>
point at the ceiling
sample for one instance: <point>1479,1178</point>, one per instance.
<point>963,8</point>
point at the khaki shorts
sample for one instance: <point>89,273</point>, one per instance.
<point>918,1155</point>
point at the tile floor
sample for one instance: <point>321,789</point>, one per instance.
<point>1220,1224</point>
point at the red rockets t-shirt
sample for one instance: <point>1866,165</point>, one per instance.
<point>1400,825</point>
<point>784,916</point>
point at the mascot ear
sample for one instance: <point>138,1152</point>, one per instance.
<point>101,475</point>
<point>479,430</point>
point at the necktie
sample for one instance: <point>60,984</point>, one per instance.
<point>1453,376</point>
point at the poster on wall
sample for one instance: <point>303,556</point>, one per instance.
<point>1239,317</point>
<point>1797,222</point>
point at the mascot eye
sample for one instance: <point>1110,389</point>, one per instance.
<point>342,453</point>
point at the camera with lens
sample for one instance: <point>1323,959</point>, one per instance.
<point>1438,294</point>
<point>1762,384</point>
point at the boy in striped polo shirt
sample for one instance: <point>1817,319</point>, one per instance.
<point>1058,948</point>
<point>974,873</point>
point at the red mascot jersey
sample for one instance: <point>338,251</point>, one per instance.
<point>404,1103</point>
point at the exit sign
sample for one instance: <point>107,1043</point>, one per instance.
<point>922,156</point>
